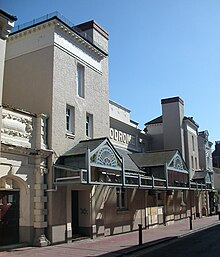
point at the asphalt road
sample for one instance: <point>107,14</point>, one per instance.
<point>201,244</point>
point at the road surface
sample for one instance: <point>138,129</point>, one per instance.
<point>201,244</point>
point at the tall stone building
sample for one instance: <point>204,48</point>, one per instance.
<point>60,70</point>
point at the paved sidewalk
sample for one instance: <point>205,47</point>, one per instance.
<point>118,245</point>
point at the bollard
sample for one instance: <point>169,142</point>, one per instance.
<point>219,215</point>
<point>190,222</point>
<point>140,233</point>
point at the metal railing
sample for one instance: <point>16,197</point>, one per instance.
<point>64,20</point>
<point>42,19</point>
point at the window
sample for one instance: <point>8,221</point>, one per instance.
<point>193,143</point>
<point>192,162</point>
<point>196,164</point>
<point>80,81</point>
<point>121,198</point>
<point>70,119</point>
<point>89,125</point>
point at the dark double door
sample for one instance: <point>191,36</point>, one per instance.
<point>9,217</point>
<point>75,213</point>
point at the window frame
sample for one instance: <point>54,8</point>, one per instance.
<point>80,80</point>
<point>192,163</point>
<point>70,120</point>
<point>193,143</point>
<point>89,125</point>
<point>121,199</point>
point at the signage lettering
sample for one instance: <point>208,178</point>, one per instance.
<point>122,137</point>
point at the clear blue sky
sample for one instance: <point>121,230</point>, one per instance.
<point>157,49</point>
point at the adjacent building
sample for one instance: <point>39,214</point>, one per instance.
<point>216,155</point>
<point>6,24</point>
<point>173,130</point>
<point>216,166</point>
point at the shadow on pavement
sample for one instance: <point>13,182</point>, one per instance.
<point>133,249</point>
<point>188,237</point>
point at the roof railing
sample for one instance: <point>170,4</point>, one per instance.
<point>64,20</point>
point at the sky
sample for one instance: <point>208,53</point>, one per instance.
<point>157,49</point>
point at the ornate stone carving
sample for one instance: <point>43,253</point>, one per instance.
<point>15,125</point>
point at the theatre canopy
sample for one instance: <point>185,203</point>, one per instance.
<point>96,161</point>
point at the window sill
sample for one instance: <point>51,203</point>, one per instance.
<point>70,135</point>
<point>122,211</point>
<point>81,97</point>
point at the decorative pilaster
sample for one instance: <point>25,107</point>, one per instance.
<point>41,131</point>
<point>40,201</point>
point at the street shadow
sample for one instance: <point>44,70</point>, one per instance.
<point>133,249</point>
<point>213,233</point>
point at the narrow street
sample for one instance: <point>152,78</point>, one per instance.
<point>166,241</point>
<point>202,244</point>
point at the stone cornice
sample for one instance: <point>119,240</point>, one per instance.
<point>6,24</point>
<point>8,16</point>
<point>5,148</point>
<point>59,24</point>
<point>12,108</point>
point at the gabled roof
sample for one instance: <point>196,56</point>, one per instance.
<point>82,146</point>
<point>150,159</point>
<point>94,144</point>
<point>155,121</point>
<point>160,120</point>
<point>128,162</point>
<point>200,174</point>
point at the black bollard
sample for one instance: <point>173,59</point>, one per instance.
<point>190,223</point>
<point>219,215</point>
<point>140,233</point>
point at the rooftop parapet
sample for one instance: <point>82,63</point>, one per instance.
<point>76,28</point>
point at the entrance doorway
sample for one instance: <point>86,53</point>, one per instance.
<point>75,213</point>
<point>9,217</point>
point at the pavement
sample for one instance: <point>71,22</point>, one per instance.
<point>117,245</point>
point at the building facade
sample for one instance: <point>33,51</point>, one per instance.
<point>216,167</point>
<point>167,178</point>
<point>62,71</point>
<point>173,130</point>
<point>216,155</point>
<point>74,163</point>
<point>6,24</point>
<point>22,181</point>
